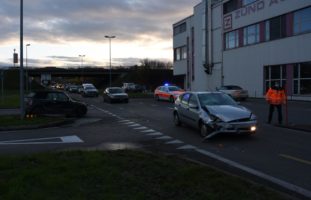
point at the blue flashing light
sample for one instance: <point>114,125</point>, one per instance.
<point>166,84</point>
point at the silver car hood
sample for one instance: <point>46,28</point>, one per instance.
<point>229,113</point>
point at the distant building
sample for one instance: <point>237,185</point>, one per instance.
<point>250,43</point>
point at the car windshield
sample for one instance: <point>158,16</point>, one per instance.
<point>173,88</point>
<point>215,99</point>
<point>115,90</point>
<point>89,87</point>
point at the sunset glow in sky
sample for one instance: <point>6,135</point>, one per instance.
<point>58,31</point>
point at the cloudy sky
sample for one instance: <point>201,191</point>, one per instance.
<point>58,31</point>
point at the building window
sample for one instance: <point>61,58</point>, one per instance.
<point>180,28</point>
<point>276,28</point>
<point>302,79</point>
<point>251,34</point>
<point>231,6</point>
<point>180,53</point>
<point>302,21</point>
<point>276,73</point>
<point>232,39</point>
<point>245,2</point>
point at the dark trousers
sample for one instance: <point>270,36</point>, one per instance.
<point>271,110</point>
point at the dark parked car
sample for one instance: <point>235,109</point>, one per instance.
<point>115,94</point>
<point>213,113</point>
<point>53,102</point>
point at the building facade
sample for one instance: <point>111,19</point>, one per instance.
<point>250,43</point>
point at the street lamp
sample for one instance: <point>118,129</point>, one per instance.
<point>26,67</point>
<point>110,37</point>
<point>81,56</point>
<point>21,69</point>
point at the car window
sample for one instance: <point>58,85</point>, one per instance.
<point>173,88</point>
<point>193,102</point>
<point>41,95</point>
<point>51,96</point>
<point>61,97</point>
<point>185,99</point>
<point>115,90</point>
<point>215,99</point>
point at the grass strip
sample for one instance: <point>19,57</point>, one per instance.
<point>119,175</point>
<point>14,120</point>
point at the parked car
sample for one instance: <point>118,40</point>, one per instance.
<point>132,87</point>
<point>115,94</point>
<point>73,88</point>
<point>213,113</point>
<point>89,90</point>
<point>167,92</point>
<point>236,92</point>
<point>53,102</point>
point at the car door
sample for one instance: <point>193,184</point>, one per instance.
<point>63,105</point>
<point>193,111</point>
<point>183,107</point>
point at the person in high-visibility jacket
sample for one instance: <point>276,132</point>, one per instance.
<point>276,97</point>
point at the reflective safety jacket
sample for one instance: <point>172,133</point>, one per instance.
<point>276,96</point>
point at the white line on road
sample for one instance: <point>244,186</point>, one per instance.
<point>164,138</point>
<point>186,147</point>
<point>174,142</point>
<point>282,183</point>
<point>62,140</point>
<point>155,134</point>
<point>134,125</point>
<point>148,131</point>
<point>295,159</point>
<point>141,128</point>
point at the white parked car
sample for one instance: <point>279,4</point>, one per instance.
<point>236,92</point>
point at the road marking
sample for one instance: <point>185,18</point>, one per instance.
<point>186,147</point>
<point>282,183</point>
<point>148,131</point>
<point>134,125</point>
<point>155,134</point>
<point>164,138</point>
<point>50,140</point>
<point>121,121</point>
<point>174,142</point>
<point>141,128</point>
<point>295,159</point>
<point>127,123</point>
<point>170,108</point>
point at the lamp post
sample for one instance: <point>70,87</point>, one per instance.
<point>26,67</point>
<point>81,65</point>
<point>110,37</point>
<point>21,69</point>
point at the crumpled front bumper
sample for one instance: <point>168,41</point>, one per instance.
<point>236,127</point>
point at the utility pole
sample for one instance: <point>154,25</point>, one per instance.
<point>21,70</point>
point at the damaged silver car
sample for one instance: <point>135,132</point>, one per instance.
<point>213,113</point>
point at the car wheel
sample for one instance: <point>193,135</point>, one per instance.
<point>205,130</point>
<point>177,121</point>
<point>157,97</point>
<point>172,99</point>
<point>80,112</point>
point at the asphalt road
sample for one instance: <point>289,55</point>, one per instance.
<point>277,156</point>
